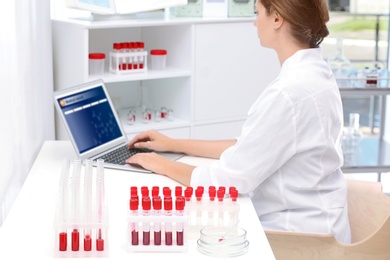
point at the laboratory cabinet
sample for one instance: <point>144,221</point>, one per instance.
<point>215,69</point>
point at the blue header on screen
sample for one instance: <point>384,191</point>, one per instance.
<point>90,118</point>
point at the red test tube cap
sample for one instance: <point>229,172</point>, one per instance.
<point>168,203</point>
<point>178,191</point>
<point>220,194</point>
<point>134,203</point>
<point>146,203</point>
<point>167,192</point>
<point>157,203</point>
<point>180,202</point>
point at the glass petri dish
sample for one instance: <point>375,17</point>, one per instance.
<point>223,250</point>
<point>222,235</point>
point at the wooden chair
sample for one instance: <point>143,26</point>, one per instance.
<point>369,216</point>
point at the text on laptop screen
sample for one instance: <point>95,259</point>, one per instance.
<point>90,118</point>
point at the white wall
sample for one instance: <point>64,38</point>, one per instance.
<point>26,106</point>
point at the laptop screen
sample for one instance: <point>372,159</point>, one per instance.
<point>90,118</point>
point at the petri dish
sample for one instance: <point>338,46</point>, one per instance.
<point>223,235</point>
<point>223,250</point>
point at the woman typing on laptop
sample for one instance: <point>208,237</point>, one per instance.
<point>288,157</point>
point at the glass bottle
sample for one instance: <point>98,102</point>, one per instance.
<point>340,65</point>
<point>352,135</point>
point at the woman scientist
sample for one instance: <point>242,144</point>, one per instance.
<point>288,156</point>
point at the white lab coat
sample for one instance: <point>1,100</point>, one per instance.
<point>288,156</point>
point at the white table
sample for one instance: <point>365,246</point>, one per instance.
<point>28,233</point>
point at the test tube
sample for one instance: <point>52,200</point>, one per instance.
<point>168,221</point>
<point>211,205</point>
<point>220,207</point>
<point>63,204</point>
<point>116,61</point>
<point>76,203</point>
<point>146,204</point>
<point>123,51</point>
<point>199,206</point>
<point>100,203</point>
<point>190,209</point>
<point>88,203</point>
<point>157,225</point>
<point>234,207</point>
<point>180,226</point>
<point>133,224</point>
<point>135,57</point>
<point>130,51</point>
<point>141,48</point>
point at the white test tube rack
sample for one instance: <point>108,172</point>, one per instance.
<point>119,58</point>
<point>139,219</point>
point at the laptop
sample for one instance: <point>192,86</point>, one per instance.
<point>94,128</point>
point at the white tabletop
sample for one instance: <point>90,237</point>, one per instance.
<point>28,231</point>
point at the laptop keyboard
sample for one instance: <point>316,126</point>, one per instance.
<point>120,155</point>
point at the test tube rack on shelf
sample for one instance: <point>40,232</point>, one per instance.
<point>81,218</point>
<point>128,62</point>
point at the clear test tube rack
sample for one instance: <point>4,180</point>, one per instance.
<point>87,234</point>
<point>119,58</point>
<point>211,213</point>
<point>98,229</point>
<point>139,220</point>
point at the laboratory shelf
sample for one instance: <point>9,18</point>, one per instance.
<point>140,126</point>
<point>364,91</point>
<point>372,155</point>
<point>169,72</point>
<point>373,152</point>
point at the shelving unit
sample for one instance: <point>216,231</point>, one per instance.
<point>373,152</point>
<point>214,70</point>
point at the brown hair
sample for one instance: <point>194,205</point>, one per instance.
<point>308,18</point>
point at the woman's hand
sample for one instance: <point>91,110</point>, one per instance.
<point>152,140</point>
<point>156,163</point>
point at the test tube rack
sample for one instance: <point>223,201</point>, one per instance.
<point>164,245</point>
<point>81,216</point>
<point>215,208</point>
<point>128,62</point>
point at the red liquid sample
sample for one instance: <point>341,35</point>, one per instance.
<point>99,241</point>
<point>157,238</point>
<point>87,243</point>
<point>99,244</point>
<point>63,242</point>
<point>75,240</point>
<point>134,238</point>
<point>146,238</point>
<point>168,238</point>
<point>180,238</point>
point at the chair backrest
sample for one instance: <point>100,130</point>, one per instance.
<point>369,214</point>
<point>368,208</point>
